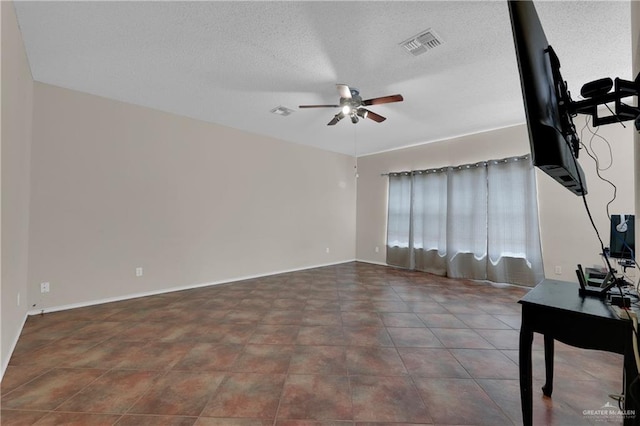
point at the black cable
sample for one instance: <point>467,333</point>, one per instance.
<point>586,206</point>
<point>619,398</point>
<point>595,134</point>
<point>593,224</point>
<point>615,188</point>
<point>634,382</point>
<point>595,158</point>
<point>598,169</point>
<point>615,115</point>
<point>623,239</point>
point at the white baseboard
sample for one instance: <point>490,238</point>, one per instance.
<point>5,363</point>
<point>177,288</point>
<point>373,262</point>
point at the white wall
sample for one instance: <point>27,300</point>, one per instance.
<point>117,186</point>
<point>17,91</point>
<point>566,236</point>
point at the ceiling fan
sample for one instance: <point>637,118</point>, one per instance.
<point>353,106</point>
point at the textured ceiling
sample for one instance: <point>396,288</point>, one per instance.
<point>232,62</point>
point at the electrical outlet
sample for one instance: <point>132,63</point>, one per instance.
<point>377,249</point>
<point>558,270</point>
<point>44,287</point>
<point>138,272</point>
<point>18,302</point>
<point>327,249</point>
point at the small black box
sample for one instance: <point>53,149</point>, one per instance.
<point>623,302</point>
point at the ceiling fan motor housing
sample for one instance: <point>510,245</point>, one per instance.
<point>354,102</point>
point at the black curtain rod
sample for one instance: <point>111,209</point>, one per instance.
<point>443,169</point>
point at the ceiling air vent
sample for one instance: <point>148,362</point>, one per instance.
<point>283,111</point>
<point>417,45</point>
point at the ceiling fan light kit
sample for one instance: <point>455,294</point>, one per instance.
<point>352,105</point>
<point>362,113</point>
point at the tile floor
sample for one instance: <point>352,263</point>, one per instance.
<point>352,344</point>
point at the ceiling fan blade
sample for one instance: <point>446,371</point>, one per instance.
<point>335,119</point>
<point>319,106</point>
<point>375,117</point>
<point>344,91</point>
<point>383,100</point>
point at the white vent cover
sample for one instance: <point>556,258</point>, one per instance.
<point>283,111</point>
<point>417,45</point>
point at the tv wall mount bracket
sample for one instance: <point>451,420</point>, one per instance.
<point>596,93</point>
<point>599,92</point>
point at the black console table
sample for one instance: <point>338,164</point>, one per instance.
<point>554,309</point>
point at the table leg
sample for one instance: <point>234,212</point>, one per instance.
<point>526,397</point>
<point>630,373</point>
<point>547,389</point>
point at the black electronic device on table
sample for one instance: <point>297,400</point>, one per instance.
<point>622,247</point>
<point>587,289</point>
<point>595,273</point>
<point>622,237</point>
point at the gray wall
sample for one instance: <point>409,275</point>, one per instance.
<point>17,91</point>
<point>116,186</point>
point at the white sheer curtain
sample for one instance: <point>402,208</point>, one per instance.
<point>429,221</point>
<point>467,222</point>
<point>513,234</point>
<point>399,220</point>
<point>477,221</point>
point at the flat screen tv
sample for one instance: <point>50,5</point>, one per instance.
<point>622,237</point>
<point>552,135</point>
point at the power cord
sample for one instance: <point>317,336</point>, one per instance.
<point>595,158</point>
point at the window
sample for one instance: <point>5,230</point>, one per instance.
<point>399,216</point>
<point>476,221</point>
